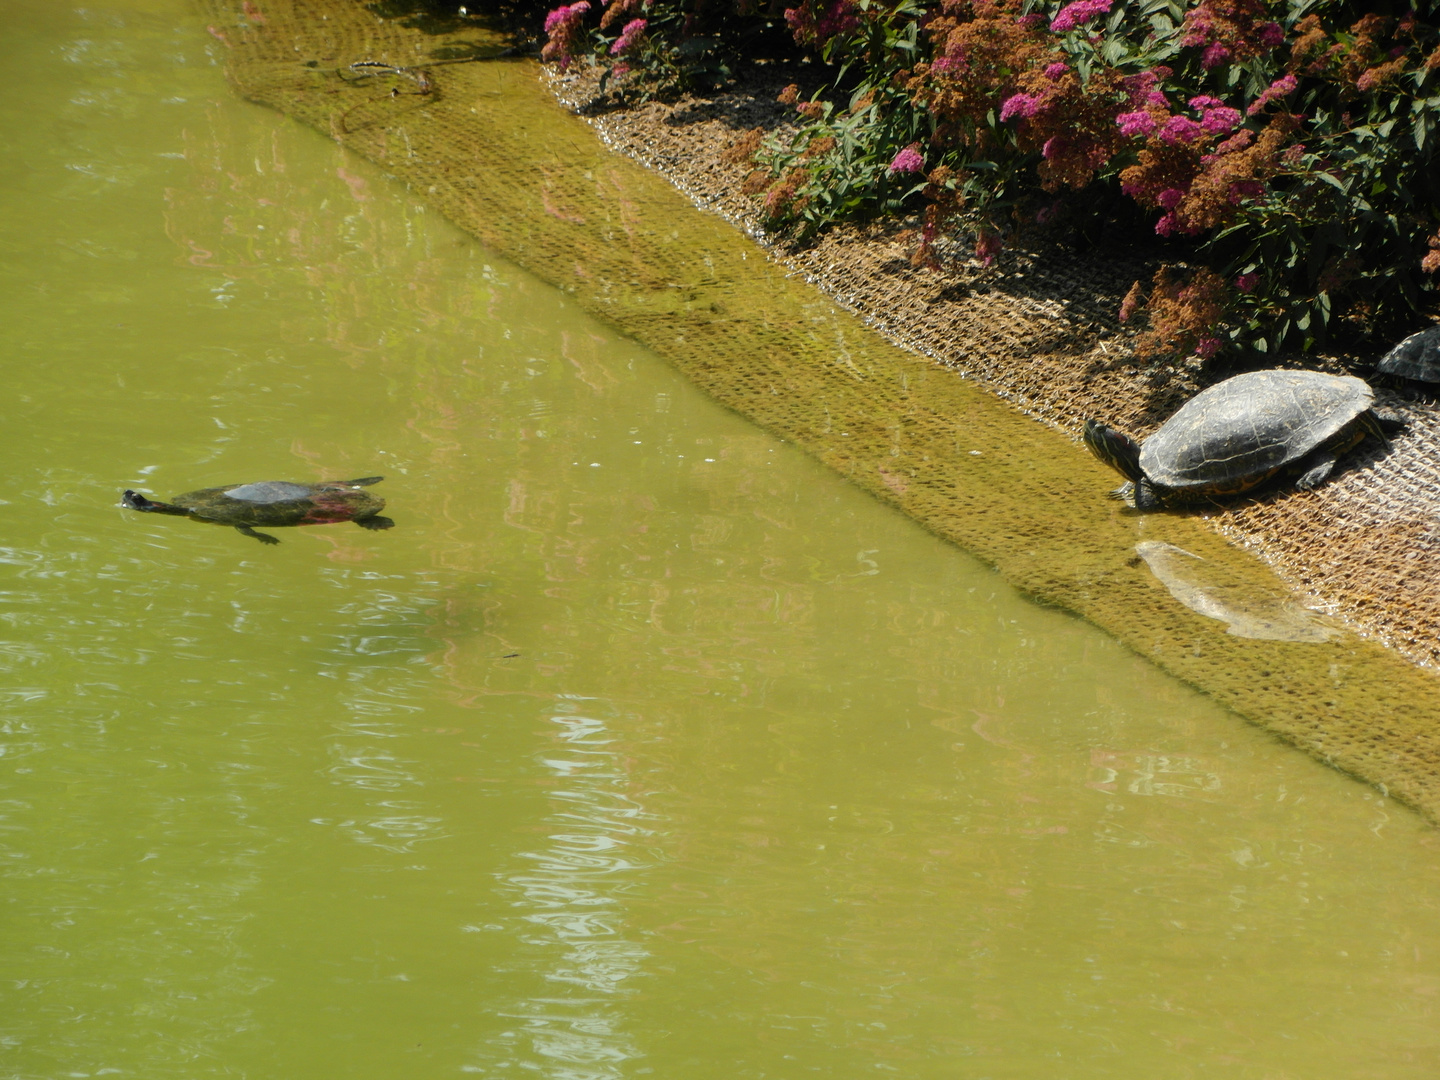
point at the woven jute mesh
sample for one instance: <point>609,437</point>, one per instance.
<point>488,146</point>
<point>1041,331</point>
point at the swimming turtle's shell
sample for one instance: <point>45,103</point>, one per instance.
<point>1241,431</point>
<point>1417,357</point>
<point>278,502</point>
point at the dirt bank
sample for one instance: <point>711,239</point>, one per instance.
<point>1039,329</point>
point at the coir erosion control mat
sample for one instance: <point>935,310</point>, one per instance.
<point>479,137</point>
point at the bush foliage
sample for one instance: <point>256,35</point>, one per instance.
<point>1284,149</point>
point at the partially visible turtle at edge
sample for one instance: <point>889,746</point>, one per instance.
<point>1240,433</point>
<point>274,504</point>
<point>1414,360</point>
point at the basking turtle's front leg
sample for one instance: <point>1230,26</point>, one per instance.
<point>1146,498</point>
<point>375,521</point>
<point>1317,467</point>
<point>246,530</point>
<point>1124,493</point>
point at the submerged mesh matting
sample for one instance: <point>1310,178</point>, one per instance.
<point>488,146</point>
<point>1040,329</point>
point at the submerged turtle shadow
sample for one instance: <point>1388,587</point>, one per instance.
<point>1249,608</point>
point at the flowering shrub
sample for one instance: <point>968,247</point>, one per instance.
<point>648,47</point>
<point>1282,149</point>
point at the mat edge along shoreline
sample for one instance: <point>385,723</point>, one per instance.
<point>1368,762</point>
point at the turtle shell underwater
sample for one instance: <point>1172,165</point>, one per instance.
<point>274,504</point>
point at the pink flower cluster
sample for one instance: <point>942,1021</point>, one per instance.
<point>1230,28</point>
<point>1281,87</point>
<point>908,160</point>
<point>1078,13</point>
<point>565,15</point>
<point>628,36</point>
<point>1022,105</point>
<point>564,25</point>
<point>838,17</point>
<point>1216,118</point>
<point>1136,123</point>
<point>1143,88</point>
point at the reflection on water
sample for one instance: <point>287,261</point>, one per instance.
<point>1247,611</point>
<point>571,892</point>
<point>645,747</point>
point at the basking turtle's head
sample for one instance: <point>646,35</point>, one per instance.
<point>1115,448</point>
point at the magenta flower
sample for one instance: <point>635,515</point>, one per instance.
<point>1078,13</point>
<point>1170,198</point>
<point>563,26</point>
<point>1214,55</point>
<point>564,14</point>
<point>1056,71</point>
<point>1180,129</point>
<point>1022,105</point>
<point>1247,282</point>
<point>838,19</point>
<point>907,160</point>
<point>1272,34</point>
<point>1207,347</point>
<point>1167,225</point>
<point>1205,101</point>
<point>1136,123</point>
<point>1281,87</point>
<point>628,36</point>
<point>1221,120</point>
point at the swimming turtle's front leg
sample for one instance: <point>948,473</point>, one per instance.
<point>264,538</point>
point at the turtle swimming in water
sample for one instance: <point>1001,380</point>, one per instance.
<point>274,504</point>
<point>1240,433</point>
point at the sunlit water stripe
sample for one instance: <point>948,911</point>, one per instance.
<point>572,898</point>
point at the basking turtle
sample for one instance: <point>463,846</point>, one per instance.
<point>1416,359</point>
<point>274,504</point>
<point>1239,433</point>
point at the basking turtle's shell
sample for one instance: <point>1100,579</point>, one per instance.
<point>1417,357</point>
<point>1240,432</point>
<point>277,503</point>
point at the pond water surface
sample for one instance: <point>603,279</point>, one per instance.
<point>643,745</point>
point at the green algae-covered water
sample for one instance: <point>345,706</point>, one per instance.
<point>642,746</point>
